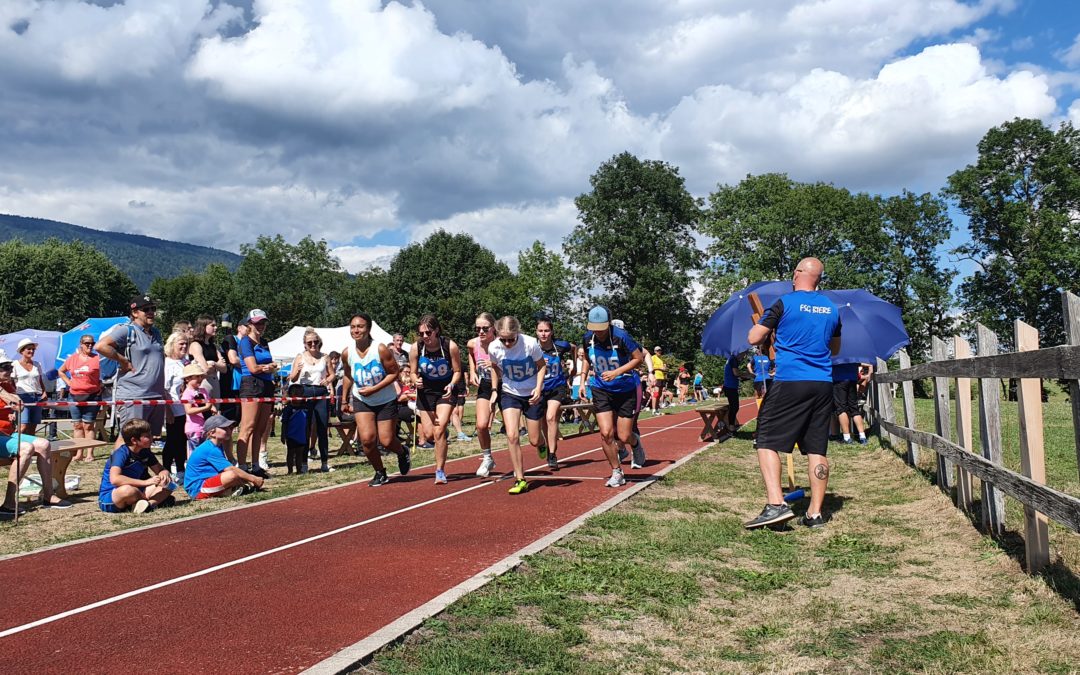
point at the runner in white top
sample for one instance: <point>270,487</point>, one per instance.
<point>518,367</point>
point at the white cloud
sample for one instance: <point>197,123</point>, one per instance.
<point>356,259</point>
<point>1071,56</point>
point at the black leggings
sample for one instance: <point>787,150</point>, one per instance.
<point>175,449</point>
<point>319,415</point>
<point>732,394</point>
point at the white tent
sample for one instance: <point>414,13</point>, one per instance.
<point>286,347</point>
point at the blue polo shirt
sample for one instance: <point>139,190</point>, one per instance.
<point>132,465</point>
<point>260,351</point>
<point>805,323</point>
<point>616,352</point>
<point>845,372</point>
<point>206,461</point>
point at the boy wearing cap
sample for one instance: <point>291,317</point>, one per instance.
<point>209,473</point>
<point>126,482</point>
<point>140,352</point>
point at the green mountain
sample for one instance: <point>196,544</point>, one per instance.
<point>140,257</point>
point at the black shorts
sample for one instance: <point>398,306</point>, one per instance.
<point>622,403</point>
<point>560,394</point>
<point>532,412</point>
<point>253,387</point>
<point>796,412</point>
<point>430,399</point>
<point>846,397</point>
<point>383,412</point>
<point>460,392</point>
<point>484,390</point>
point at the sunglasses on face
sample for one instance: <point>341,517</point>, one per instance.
<point>508,341</point>
<point>87,344</point>
<point>29,349</point>
<point>148,310</point>
<point>311,344</point>
<point>483,329</point>
<point>424,333</point>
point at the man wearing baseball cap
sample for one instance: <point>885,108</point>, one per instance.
<point>209,473</point>
<point>140,352</point>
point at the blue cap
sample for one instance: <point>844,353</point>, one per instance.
<point>599,318</point>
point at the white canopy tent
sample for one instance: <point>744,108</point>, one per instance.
<point>286,347</point>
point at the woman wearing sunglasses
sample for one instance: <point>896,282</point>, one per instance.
<point>257,370</point>
<point>486,396</point>
<point>518,367</point>
<point>81,374</point>
<point>310,369</point>
<point>29,385</point>
<point>436,365</point>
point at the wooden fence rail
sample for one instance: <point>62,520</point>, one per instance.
<point>956,461</point>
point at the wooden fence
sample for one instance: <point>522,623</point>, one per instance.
<point>956,460</point>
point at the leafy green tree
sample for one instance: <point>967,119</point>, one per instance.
<point>190,294</point>
<point>546,278</point>
<point>1022,200</point>
<point>634,247</point>
<point>296,285</point>
<point>55,285</point>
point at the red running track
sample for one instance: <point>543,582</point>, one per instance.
<point>280,586</point>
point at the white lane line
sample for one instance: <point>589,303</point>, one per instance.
<point>255,556</point>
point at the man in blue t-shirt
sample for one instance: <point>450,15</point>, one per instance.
<point>209,473</point>
<point>126,482</point>
<point>798,409</point>
<point>846,400</point>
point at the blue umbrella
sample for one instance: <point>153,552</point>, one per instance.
<point>47,344</point>
<point>871,327</point>
<point>69,341</point>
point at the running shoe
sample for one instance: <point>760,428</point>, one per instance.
<point>141,506</point>
<point>553,461</point>
<point>404,461</point>
<point>427,446</point>
<point>326,468</point>
<point>638,462</point>
<point>862,440</point>
<point>616,479</point>
<point>486,465</point>
<point>9,512</point>
<point>464,436</point>
<point>815,522</point>
<point>245,489</point>
<point>440,477</point>
<point>542,451</point>
<point>519,487</point>
<point>772,514</point>
<point>62,504</point>
<point>380,478</point>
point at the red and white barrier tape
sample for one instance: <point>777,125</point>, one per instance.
<point>168,401</point>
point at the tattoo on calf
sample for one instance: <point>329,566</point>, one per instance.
<point>821,471</point>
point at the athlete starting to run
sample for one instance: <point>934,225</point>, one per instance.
<point>486,395</point>
<point>436,366</point>
<point>559,357</point>
<point>519,368</point>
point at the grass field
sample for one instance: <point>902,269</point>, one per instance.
<point>669,581</point>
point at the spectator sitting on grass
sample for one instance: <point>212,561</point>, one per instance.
<point>126,482</point>
<point>209,473</point>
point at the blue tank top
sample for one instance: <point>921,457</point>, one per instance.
<point>368,371</point>
<point>434,367</point>
<point>556,376</point>
<point>616,353</point>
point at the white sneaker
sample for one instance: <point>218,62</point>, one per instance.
<point>263,464</point>
<point>638,462</point>
<point>141,506</point>
<point>486,465</point>
<point>616,479</point>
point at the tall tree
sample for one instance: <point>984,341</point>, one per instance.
<point>55,285</point>
<point>546,279</point>
<point>634,246</point>
<point>1022,200</point>
<point>190,294</point>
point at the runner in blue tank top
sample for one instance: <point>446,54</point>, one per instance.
<point>798,408</point>
<point>613,358</point>
<point>436,366</point>
<point>368,392</point>
<point>560,361</point>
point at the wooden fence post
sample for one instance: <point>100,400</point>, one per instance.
<point>1070,305</point>
<point>1032,459</point>
<point>912,457</point>
<point>887,411</point>
<point>941,416</point>
<point>993,502</point>
<point>962,350</point>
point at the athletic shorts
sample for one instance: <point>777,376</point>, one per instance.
<point>845,397</point>
<point>460,391</point>
<point>560,394</point>
<point>796,412</point>
<point>385,411</point>
<point>210,488</point>
<point>110,507</point>
<point>430,399</point>
<point>253,387</point>
<point>623,403</point>
<point>153,414</point>
<point>484,390</point>
<point>532,412</point>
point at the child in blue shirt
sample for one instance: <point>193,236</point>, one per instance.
<point>126,482</point>
<point>294,431</point>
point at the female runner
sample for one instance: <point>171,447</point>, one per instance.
<point>486,396</point>
<point>555,391</point>
<point>436,365</point>
<point>518,367</point>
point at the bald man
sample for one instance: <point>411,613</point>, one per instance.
<point>799,406</point>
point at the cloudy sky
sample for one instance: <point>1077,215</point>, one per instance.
<point>371,124</point>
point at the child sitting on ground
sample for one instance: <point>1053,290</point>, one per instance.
<point>294,431</point>
<point>126,482</point>
<point>196,406</point>
<point>209,473</point>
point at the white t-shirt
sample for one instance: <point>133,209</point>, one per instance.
<point>517,364</point>
<point>28,381</point>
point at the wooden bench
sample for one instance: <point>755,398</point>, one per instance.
<point>62,452</point>
<point>714,421</point>
<point>586,418</point>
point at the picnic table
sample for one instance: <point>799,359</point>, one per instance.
<point>586,418</point>
<point>62,453</point>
